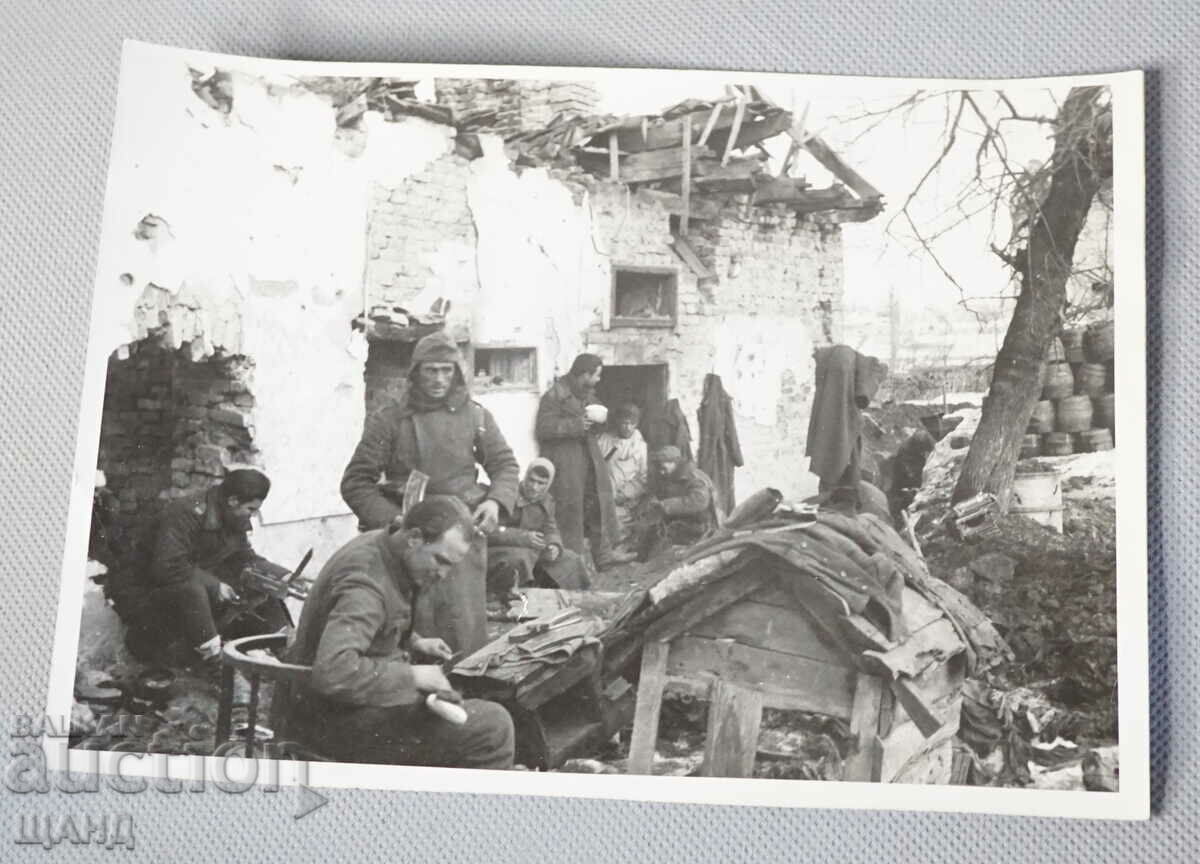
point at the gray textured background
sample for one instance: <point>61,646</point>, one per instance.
<point>57,93</point>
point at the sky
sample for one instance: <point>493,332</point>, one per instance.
<point>885,267</point>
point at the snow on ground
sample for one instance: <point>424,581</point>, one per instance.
<point>1084,476</point>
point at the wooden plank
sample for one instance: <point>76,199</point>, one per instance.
<point>553,679</point>
<point>935,643</point>
<point>824,154</point>
<point>712,600</point>
<point>804,199</point>
<point>710,124</point>
<point>787,681</point>
<point>691,575</point>
<point>905,745</point>
<point>734,718</point>
<point>864,728</point>
<point>865,636</point>
<point>689,257</point>
<point>937,686</point>
<point>772,628</point>
<point>761,129</point>
<point>740,177</point>
<point>739,113</point>
<point>834,163</point>
<point>644,167</point>
<point>919,710</point>
<point>707,124</point>
<point>686,192</point>
<point>649,703</point>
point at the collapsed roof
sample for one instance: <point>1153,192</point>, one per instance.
<point>708,153</point>
<point>699,156</point>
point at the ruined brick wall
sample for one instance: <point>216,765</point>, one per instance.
<point>779,264</point>
<point>520,105</point>
<point>777,288</point>
<point>414,227</point>
<point>137,425</point>
<point>170,426</point>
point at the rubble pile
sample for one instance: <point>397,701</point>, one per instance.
<point>1040,718</point>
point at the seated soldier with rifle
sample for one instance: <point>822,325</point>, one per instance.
<point>189,583</point>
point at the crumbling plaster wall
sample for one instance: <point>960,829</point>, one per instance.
<point>544,244</point>
<point>257,249</point>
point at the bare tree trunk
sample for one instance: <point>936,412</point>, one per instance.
<point>1082,159</point>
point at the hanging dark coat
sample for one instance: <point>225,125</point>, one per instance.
<point>669,427</point>
<point>563,439</point>
<point>719,451</point>
<point>846,382</point>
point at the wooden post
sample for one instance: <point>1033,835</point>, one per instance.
<point>649,701</point>
<point>252,717</point>
<point>862,764</point>
<point>686,192</point>
<point>225,706</point>
<point>734,717</point>
<point>614,160</point>
<point>708,127</point>
<point>738,114</point>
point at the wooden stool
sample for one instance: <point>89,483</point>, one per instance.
<point>235,658</point>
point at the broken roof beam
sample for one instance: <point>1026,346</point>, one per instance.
<point>824,154</point>
<point>758,125</point>
<point>797,196</point>
<point>739,177</point>
<point>648,167</point>
<point>837,166</point>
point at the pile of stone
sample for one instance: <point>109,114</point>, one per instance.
<point>1076,413</point>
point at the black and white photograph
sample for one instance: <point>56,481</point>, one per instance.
<point>721,437</point>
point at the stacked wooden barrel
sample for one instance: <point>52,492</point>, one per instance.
<point>1076,411</point>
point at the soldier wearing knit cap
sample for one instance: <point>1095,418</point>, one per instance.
<point>436,428</point>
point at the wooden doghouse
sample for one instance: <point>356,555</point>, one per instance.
<point>762,632</point>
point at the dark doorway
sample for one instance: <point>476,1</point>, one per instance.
<point>644,386</point>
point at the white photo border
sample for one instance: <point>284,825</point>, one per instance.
<point>1133,799</point>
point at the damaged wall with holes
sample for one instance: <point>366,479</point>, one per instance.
<point>240,242</point>
<point>480,233</point>
<point>225,291</point>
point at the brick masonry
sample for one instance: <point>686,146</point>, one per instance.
<point>170,426</point>
<point>768,265</point>
<point>519,105</point>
